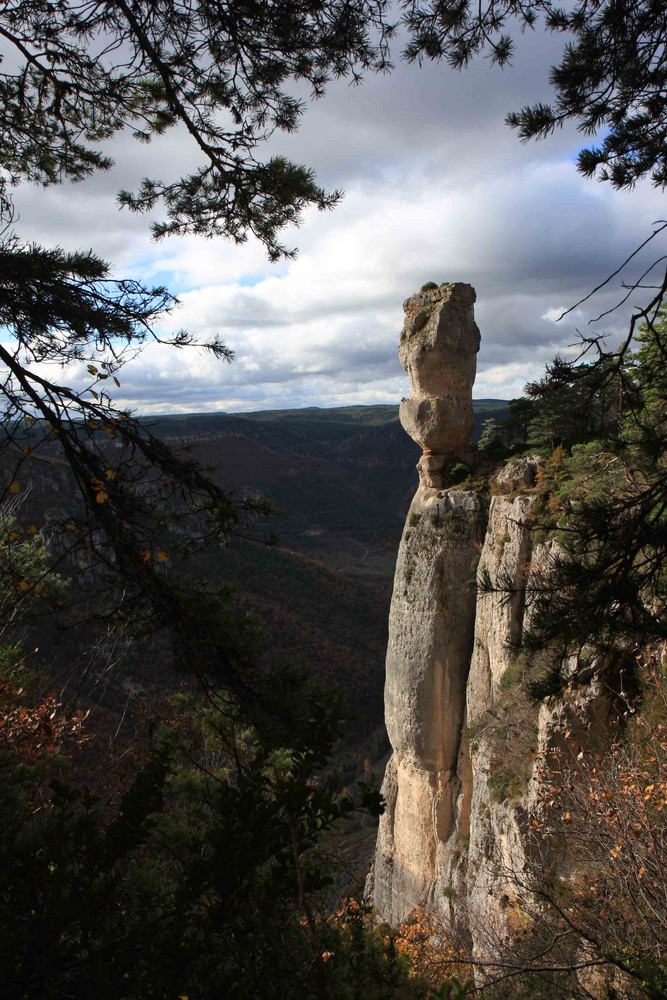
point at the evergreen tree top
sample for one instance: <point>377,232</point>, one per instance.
<point>78,73</point>
<point>75,74</point>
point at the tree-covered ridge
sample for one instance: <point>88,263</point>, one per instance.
<point>589,902</point>
<point>600,426</point>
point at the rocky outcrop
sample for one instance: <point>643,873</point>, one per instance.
<point>469,747</point>
<point>501,728</point>
<point>433,606</point>
<point>430,641</point>
<point>438,349</point>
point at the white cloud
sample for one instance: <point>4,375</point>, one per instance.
<point>437,188</point>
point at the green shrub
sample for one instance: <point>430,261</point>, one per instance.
<point>454,474</point>
<point>514,673</point>
<point>498,787</point>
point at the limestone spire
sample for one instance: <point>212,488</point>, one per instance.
<point>438,349</point>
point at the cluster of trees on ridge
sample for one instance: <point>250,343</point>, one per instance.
<point>601,425</point>
<point>196,874</point>
<point>597,610</point>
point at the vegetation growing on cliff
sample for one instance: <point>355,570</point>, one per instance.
<point>586,907</point>
<point>608,889</point>
<point>603,497</point>
<point>591,890</point>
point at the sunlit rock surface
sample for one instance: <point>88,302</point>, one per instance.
<point>438,349</point>
<point>469,752</point>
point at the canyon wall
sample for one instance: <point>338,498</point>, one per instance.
<point>467,771</point>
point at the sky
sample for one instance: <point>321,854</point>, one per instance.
<point>437,188</point>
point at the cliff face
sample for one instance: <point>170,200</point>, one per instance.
<point>471,751</point>
<point>425,695</point>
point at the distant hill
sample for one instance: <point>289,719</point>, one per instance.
<point>311,415</point>
<point>342,480</point>
<point>343,477</point>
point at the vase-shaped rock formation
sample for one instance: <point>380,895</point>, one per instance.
<point>438,349</point>
<point>433,605</point>
<point>471,749</point>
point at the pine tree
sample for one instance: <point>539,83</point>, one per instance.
<point>603,498</point>
<point>611,78</point>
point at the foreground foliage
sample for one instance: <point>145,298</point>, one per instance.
<point>591,901</point>
<point>197,876</point>
<point>611,891</point>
